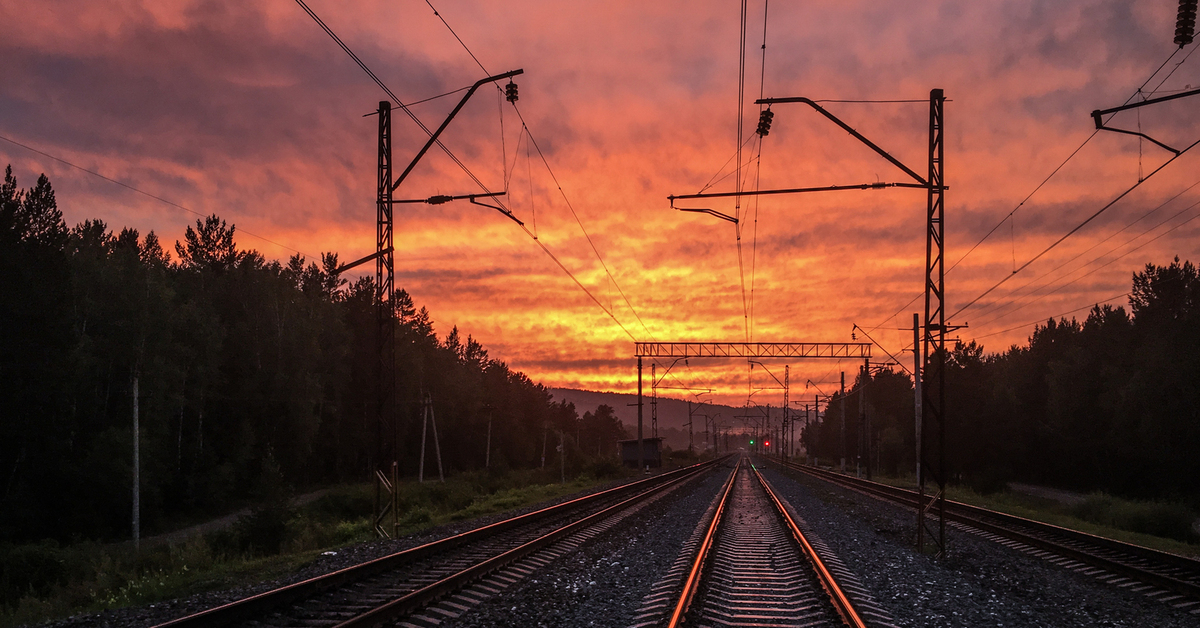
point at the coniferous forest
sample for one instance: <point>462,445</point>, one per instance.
<point>246,368</point>
<point>1109,404</point>
<point>249,368</point>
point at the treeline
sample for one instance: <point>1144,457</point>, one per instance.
<point>1110,404</point>
<point>245,368</point>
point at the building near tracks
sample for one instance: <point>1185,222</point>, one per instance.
<point>651,446</point>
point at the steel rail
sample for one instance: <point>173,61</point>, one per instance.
<point>420,598</point>
<point>693,580</point>
<point>257,605</point>
<point>1006,525</point>
<point>837,597</point>
<point>840,601</point>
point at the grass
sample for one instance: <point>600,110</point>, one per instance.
<point>1161,525</point>
<point>46,581</point>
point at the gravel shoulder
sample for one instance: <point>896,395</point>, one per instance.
<point>981,583</point>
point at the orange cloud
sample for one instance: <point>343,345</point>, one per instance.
<point>251,112</point>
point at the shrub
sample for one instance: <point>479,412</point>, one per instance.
<point>1163,519</point>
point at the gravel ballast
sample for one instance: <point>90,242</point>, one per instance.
<point>604,581</point>
<point>980,583</point>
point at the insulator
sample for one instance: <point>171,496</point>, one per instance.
<point>1185,25</point>
<point>510,91</point>
<point>438,199</point>
<point>764,122</point>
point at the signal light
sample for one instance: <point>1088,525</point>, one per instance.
<point>1185,25</point>
<point>767,443</point>
<point>764,118</point>
<point>751,441</point>
<point>510,91</point>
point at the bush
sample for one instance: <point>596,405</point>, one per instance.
<point>604,468</point>
<point>1163,519</point>
<point>33,570</point>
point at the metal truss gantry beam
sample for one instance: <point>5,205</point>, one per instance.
<point>804,350</point>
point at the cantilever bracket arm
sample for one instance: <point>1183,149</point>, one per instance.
<point>848,129</point>
<point>436,134</point>
<point>359,262</point>
<point>510,215</point>
<point>879,185</point>
<point>1099,114</point>
<point>710,212</point>
<point>439,199</point>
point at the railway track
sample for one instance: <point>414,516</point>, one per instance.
<point>1166,577</point>
<point>448,576</point>
<point>754,566</point>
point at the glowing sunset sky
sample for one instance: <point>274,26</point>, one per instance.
<point>248,110</point>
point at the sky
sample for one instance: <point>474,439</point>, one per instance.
<point>248,110</point>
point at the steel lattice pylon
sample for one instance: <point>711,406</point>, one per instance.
<point>385,335</point>
<point>933,376</point>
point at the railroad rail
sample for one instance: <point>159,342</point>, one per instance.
<point>390,588</point>
<point>755,567</point>
<point>1167,577</point>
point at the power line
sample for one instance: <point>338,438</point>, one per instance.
<point>1075,229</point>
<point>532,141</point>
<point>1115,259</point>
<point>996,333</point>
<point>142,192</point>
<point>997,306</point>
<point>1068,159</point>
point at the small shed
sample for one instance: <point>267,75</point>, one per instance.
<point>652,455</point>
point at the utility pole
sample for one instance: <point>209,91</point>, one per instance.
<point>917,387</point>
<point>487,456</point>
<point>387,434</point>
<point>641,453</point>
<point>137,471</point>
<point>654,399</point>
<point>862,420</point>
<point>562,459</point>
<point>933,384</point>
<point>787,426</point>
<point>843,421</point>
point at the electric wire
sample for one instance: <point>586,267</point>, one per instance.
<point>1068,159</point>
<point>1074,229</point>
<point>1086,307</point>
<point>532,141</point>
<point>399,103</point>
<point>1000,306</point>
<point>461,165</point>
<point>737,199</point>
<point>142,192</point>
<point>713,181</point>
<point>762,82</point>
<point>1115,259</point>
<point>1044,181</point>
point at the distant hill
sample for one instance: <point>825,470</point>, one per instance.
<point>672,414</point>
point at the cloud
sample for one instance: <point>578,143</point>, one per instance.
<point>251,112</point>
